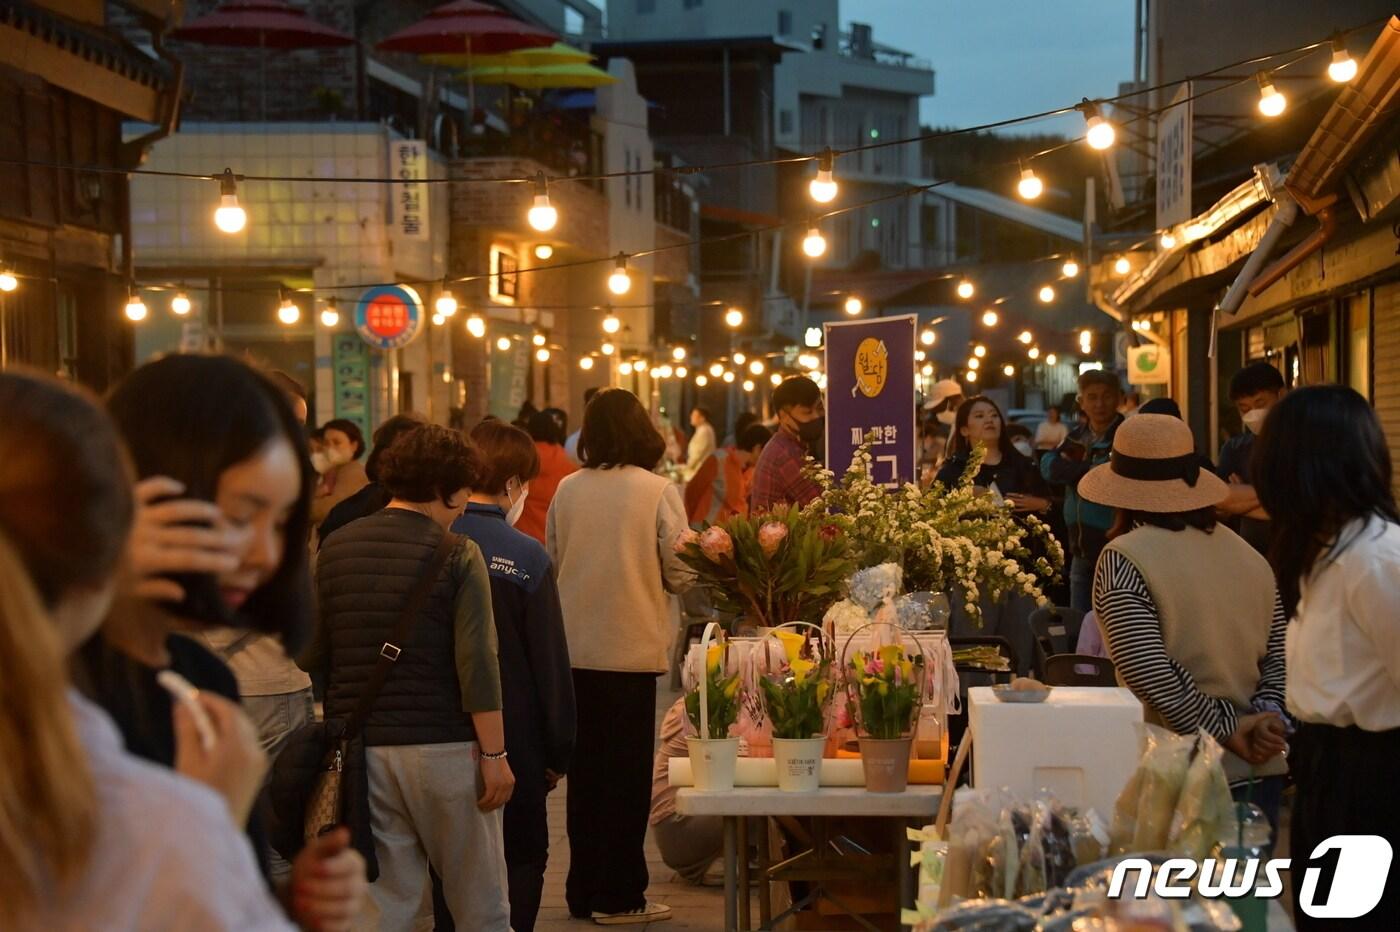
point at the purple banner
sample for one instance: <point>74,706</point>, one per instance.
<point>870,392</point>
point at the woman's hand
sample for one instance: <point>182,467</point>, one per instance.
<point>1257,737</point>
<point>177,536</point>
<point>234,764</point>
<point>328,883</point>
<point>498,783</point>
<point>1028,503</point>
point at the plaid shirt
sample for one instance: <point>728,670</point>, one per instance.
<point>777,478</point>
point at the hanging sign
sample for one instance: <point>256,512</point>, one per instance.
<point>1174,160</point>
<point>870,395</point>
<point>510,368</point>
<point>389,316</point>
<point>1149,364</point>
<point>408,161</point>
<point>350,376</point>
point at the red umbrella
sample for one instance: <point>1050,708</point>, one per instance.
<point>262,24</point>
<point>470,27</point>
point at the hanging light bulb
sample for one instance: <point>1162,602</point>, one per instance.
<point>1343,66</point>
<point>716,369</point>
<point>476,326</point>
<point>180,304</point>
<point>229,216</point>
<point>503,343</point>
<point>1051,359</point>
<point>537,338</point>
<point>728,376</point>
<point>702,380</point>
<point>8,280</point>
<point>757,367</point>
<point>974,363</point>
<point>971,376</point>
<point>1033,352</point>
<point>1008,370</point>
<point>1070,269</point>
<point>542,215</point>
<point>854,305</point>
<point>1025,337</point>
<point>665,370</point>
<point>288,312</point>
<point>135,309</point>
<point>682,372</point>
<point>1167,240</point>
<point>814,244</point>
<point>928,337</point>
<point>542,354</point>
<point>775,379</point>
<point>654,372</point>
<point>748,385</point>
<point>438,319</point>
<point>740,359</point>
<point>619,282</point>
<point>990,318</point>
<point>446,303</point>
<point>679,353</point>
<point>733,318</point>
<point>1030,186</point>
<point>607,349</point>
<point>611,324</point>
<point>585,363</point>
<point>1271,102</point>
<point>330,314</point>
<point>823,188</point>
<point>1046,294</point>
<point>920,355</point>
<point>544,251</point>
<point>926,370</point>
<point>624,368</point>
<point>966,289</point>
<point>1098,132</point>
<point>979,351</point>
<point>1122,266</point>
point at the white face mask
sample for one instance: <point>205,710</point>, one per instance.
<point>338,456</point>
<point>948,417</point>
<point>320,462</point>
<point>1254,420</point>
<point>1022,445</point>
<point>517,507</point>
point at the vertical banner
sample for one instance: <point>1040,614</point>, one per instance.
<point>510,368</point>
<point>1174,160</point>
<point>408,161</point>
<point>350,376</point>
<point>870,392</point>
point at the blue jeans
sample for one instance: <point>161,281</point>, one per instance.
<point>1081,583</point>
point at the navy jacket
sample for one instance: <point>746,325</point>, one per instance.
<point>537,687</point>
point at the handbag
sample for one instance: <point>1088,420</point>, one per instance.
<point>315,803</point>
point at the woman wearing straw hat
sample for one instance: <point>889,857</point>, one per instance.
<point>1190,612</point>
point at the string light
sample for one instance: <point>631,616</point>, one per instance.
<point>775,379</point>
<point>927,337</point>
<point>476,326</point>
<point>1033,352</point>
<point>809,361</point>
<point>1051,359</point>
<point>1343,66</point>
<point>920,355</point>
<point>619,282</point>
<point>1271,102</point>
<point>1046,294</point>
<point>1070,269</point>
<point>927,369</point>
<point>607,349</point>
<point>979,351</point>
<point>8,280</point>
<point>330,314</point>
<point>624,368</point>
<point>229,216</point>
<point>814,244</point>
<point>1025,337</point>
<point>438,319</point>
<point>702,380</point>
<point>611,324</point>
<point>966,289</point>
<point>733,318</point>
<point>1030,186</point>
<point>716,369</point>
<point>287,312</point>
<point>679,353</point>
<point>974,363</point>
<point>542,354</point>
<point>681,372</point>
<point>1122,266</point>
<point>180,304</point>
<point>1008,370</point>
<point>854,305</point>
<point>970,376</point>
<point>740,359</point>
<point>823,188</point>
<point>446,303</point>
<point>503,343</point>
<point>728,376</point>
<point>585,363</point>
<point>544,251</point>
<point>1098,132</point>
<point>537,338</point>
<point>135,309</point>
<point>757,367</point>
<point>542,215</point>
<point>665,370</point>
<point>1167,240</point>
<point>748,385</point>
<point>990,318</point>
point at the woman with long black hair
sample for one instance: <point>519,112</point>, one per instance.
<point>1323,473</point>
<point>979,424</point>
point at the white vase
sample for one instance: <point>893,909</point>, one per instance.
<point>799,763</point>
<point>712,762</point>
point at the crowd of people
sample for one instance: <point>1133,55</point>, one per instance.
<point>186,572</point>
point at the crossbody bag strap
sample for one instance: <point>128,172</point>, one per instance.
<point>391,649</point>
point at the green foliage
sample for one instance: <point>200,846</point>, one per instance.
<point>796,702</point>
<point>888,690</point>
<point>723,702</point>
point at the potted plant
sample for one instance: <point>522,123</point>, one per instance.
<point>795,698</point>
<point>712,706</point>
<point>885,692</point>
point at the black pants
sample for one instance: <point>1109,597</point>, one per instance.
<point>1347,780</point>
<point>526,824</point>
<point>610,791</point>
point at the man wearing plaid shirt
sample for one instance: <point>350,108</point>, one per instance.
<point>777,478</point>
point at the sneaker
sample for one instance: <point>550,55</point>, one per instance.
<point>652,912</point>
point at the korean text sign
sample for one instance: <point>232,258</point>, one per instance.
<point>870,392</point>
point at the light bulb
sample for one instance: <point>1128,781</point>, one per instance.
<point>542,354</point>
<point>438,319</point>
<point>585,363</point>
<point>728,376</point>
<point>229,216</point>
<point>287,312</point>
<point>927,369</point>
<point>1099,133</point>
<point>607,349</point>
<point>537,339</point>
<point>619,282</point>
<point>8,281</point>
<point>979,351</point>
<point>814,244</point>
<point>854,305</point>
<point>542,215</point>
<point>823,188</point>
<point>990,318</point>
<point>1271,102</point>
<point>1030,186</point>
<point>702,380</point>
<point>928,337</point>
<point>682,372</point>
<point>1167,240</point>
<point>716,369</point>
<point>970,377</point>
<point>330,314</point>
<point>543,251</point>
<point>1033,352</point>
<point>503,343</point>
<point>1070,269</point>
<point>1343,66</point>
<point>611,324</point>
<point>740,359</point>
<point>1051,359</point>
<point>775,379</point>
<point>665,370</point>
<point>135,309</point>
<point>1008,370</point>
<point>1122,266</point>
<point>748,385</point>
<point>757,367</point>
<point>624,368</point>
<point>920,355</point>
<point>1046,294</point>
<point>974,363</point>
<point>733,318</point>
<point>1025,337</point>
<point>476,326</point>
<point>655,372</point>
<point>679,353</point>
<point>966,289</point>
<point>179,305</point>
<point>446,304</point>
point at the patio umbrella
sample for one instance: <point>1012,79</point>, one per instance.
<point>557,54</point>
<point>261,24</point>
<point>535,77</point>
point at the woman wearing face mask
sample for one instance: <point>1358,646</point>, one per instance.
<point>434,743</point>
<point>979,424</point>
<point>536,683</point>
<point>343,445</point>
<point>96,837</point>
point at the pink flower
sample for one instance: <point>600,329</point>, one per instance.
<point>684,539</point>
<point>715,542</point>
<point>844,719</point>
<point>771,536</point>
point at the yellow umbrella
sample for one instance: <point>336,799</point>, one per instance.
<point>557,54</point>
<point>536,77</point>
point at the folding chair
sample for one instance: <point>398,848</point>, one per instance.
<point>1079,670</point>
<point>1056,631</point>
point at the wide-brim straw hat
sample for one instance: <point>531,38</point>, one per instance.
<point>1155,468</point>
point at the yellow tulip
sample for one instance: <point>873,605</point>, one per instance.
<point>891,654</point>
<point>907,670</point>
<point>800,670</point>
<point>714,657</point>
<point>822,689</point>
<point>731,688</point>
<point>792,643</point>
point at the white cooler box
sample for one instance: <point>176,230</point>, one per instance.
<point>1081,744</point>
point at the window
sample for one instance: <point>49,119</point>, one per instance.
<point>504,285</point>
<point>646,6</point>
<point>785,121</point>
<point>819,36</point>
<point>784,22</point>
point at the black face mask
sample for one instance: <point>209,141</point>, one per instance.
<point>813,435</point>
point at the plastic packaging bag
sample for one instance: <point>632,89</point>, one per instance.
<point>1205,813</point>
<point>1142,815</point>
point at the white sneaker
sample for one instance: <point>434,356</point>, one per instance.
<point>652,912</point>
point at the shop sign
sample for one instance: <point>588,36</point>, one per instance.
<point>1149,364</point>
<point>1174,160</point>
<point>389,316</point>
<point>350,379</point>
<point>870,396</point>
<point>510,368</point>
<point>408,161</point>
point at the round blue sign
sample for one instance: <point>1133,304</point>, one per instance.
<point>389,316</point>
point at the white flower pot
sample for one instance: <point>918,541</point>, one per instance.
<point>799,763</point>
<point>712,762</point>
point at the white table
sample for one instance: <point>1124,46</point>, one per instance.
<point>917,806</point>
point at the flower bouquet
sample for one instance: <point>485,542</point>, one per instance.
<point>885,690</point>
<point>795,699</point>
<point>712,707</point>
